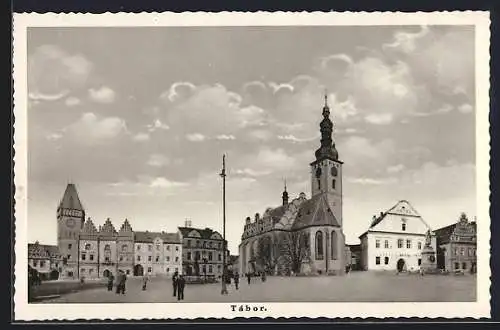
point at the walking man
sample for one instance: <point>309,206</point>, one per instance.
<point>181,282</point>
<point>110,281</point>
<point>249,277</point>
<point>124,280</point>
<point>145,280</point>
<point>119,277</point>
<point>174,282</point>
<point>236,280</point>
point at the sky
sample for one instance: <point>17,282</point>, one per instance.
<point>138,119</point>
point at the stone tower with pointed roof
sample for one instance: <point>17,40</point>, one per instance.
<point>70,221</point>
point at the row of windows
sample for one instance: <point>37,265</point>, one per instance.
<point>157,246</point>
<point>386,261</point>
<point>471,252</point>
<point>319,245</point>
<point>157,259</point>
<point>197,256</point>
<point>107,247</point>
<point>400,244</point>
<point>150,270</point>
<point>42,263</point>
<point>204,244</point>
<point>333,184</point>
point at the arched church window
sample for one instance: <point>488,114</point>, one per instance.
<point>319,245</point>
<point>333,184</point>
<point>107,247</point>
<point>87,246</point>
<point>334,245</point>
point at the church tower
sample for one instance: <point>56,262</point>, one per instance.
<point>326,170</point>
<point>70,221</point>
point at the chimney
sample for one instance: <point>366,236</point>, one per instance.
<point>248,221</point>
<point>257,217</point>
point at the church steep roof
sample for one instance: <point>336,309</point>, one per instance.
<point>315,212</point>
<point>70,198</point>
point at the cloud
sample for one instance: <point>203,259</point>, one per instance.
<point>157,124</point>
<point>178,90</point>
<point>250,172</point>
<point>279,87</point>
<point>54,136</point>
<point>465,108</point>
<point>396,168</point>
<point>161,182</point>
<point>158,160</point>
<point>195,137</point>
<point>102,95</point>
<point>141,137</point>
<point>406,41</point>
<point>72,101</point>
<point>370,181</point>
<point>53,72</point>
<point>325,61</point>
<point>91,129</point>
<point>295,139</point>
<point>379,119</point>
<point>225,137</point>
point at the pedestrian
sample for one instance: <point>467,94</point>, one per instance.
<point>145,280</point>
<point>119,277</point>
<point>124,281</point>
<point>174,282</point>
<point>111,278</point>
<point>181,282</point>
<point>236,280</point>
<point>263,276</point>
<point>421,271</point>
<point>249,277</point>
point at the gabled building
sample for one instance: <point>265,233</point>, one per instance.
<point>157,253</point>
<point>302,235</point>
<point>456,245</point>
<point>395,239</point>
<point>45,259</point>
<point>202,251</point>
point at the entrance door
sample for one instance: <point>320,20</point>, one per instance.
<point>138,270</point>
<point>106,273</point>
<point>401,265</point>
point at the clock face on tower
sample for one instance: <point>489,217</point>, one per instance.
<point>334,171</point>
<point>70,223</point>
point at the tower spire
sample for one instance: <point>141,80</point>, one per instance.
<point>285,194</point>
<point>327,149</point>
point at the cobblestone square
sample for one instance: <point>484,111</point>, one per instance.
<point>354,287</point>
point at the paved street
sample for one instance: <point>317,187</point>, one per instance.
<point>355,287</point>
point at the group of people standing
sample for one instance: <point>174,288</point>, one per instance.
<point>121,280</point>
<point>178,284</point>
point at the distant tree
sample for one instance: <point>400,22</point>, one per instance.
<point>295,249</point>
<point>267,253</point>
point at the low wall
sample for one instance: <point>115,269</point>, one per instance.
<point>59,287</point>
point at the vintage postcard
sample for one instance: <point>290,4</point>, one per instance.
<point>224,165</point>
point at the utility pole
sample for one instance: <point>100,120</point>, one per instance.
<point>223,175</point>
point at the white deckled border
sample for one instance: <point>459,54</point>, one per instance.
<point>29,312</point>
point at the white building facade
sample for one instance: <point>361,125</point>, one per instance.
<point>395,240</point>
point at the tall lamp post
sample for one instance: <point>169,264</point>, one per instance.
<point>223,175</point>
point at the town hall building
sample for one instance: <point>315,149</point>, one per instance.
<point>302,235</point>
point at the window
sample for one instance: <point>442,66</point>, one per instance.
<point>121,258</point>
<point>124,248</point>
<point>220,257</point>
<point>176,269</point>
<point>168,259</point>
<point>138,247</point>
<point>210,256</point>
<point>106,259</point>
<point>35,263</point>
<point>150,247</point>
<point>176,259</point>
<point>219,246</point>
<point>470,252</point>
<point>42,263</point>
<point>457,265</point>
<point>149,258</point>
<point>128,271</point>
<point>82,270</point>
<point>197,243</point>
<point>168,247</point>
<point>334,244</point>
<point>462,251</point>
<point>138,258</point>
<point>400,243</point>
<point>419,262</point>
<point>84,256</point>
<point>219,267</point>
<point>419,245</point>
<point>189,255</point>
<point>333,184</point>
<point>107,247</point>
<point>176,248</point>
<point>474,252</point>
<point>377,243</point>
<point>157,247</point>
<point>197,255</point>
<point>87,246</point>
<point>210,268</point>
<point>386,244</point>
<point>403,226</point>
<point>386,260</point>
<point>319,245</point>
<point>91,271</point>
<point>68,257</point>
<point>464,265</point>
<point>150,270</point>
<point>189,243</point>
<point>70,246</point>
<point>408,244</point>
<point>377,260</point>
<point>157,258</point>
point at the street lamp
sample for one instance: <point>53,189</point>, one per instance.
<point>223,175</point>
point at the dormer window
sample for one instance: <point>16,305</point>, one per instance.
<point>403,226</point>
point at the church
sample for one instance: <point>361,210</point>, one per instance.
<point>302,236</point>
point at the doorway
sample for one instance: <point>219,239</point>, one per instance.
<point>106,273</point>
<point>401,265</point>
<point>138,270</point>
